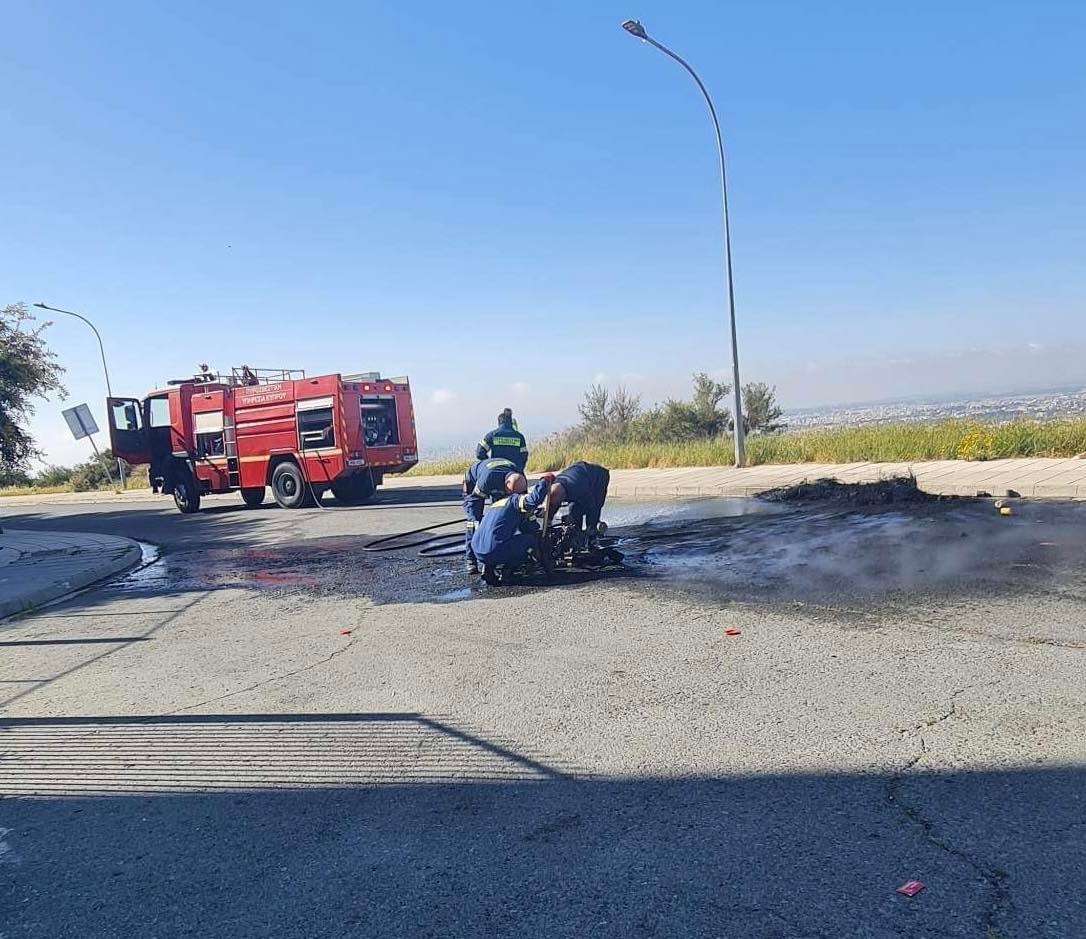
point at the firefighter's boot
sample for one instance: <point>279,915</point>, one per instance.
<point>592,540</point>
<point>471,566</point>
<point>576,540</point>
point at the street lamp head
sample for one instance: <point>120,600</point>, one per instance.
<point>634,28</point>
<point>42,305</point>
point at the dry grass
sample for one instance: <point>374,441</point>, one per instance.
<point>33,490</point>
<point>887,443</point>
<point>137,479</point>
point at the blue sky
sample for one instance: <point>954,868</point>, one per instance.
<point>508,201</point>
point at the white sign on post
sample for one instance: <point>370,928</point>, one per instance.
<point>80,421</point>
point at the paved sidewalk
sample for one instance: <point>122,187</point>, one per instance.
<point>1032,478</point>
<point>36,567</point>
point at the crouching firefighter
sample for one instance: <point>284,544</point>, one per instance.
<point>508,534</point>
<point>486,479</point>
<point>584,487</point>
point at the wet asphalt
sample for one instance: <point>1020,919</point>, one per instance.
<point>771,719</point>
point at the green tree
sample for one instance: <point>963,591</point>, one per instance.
<point>617,417</point>
<point>761,413</point>
<point>606,415</point>
<point>699,418</point>
<point>593,410</point>
<point>13,477</point>
<point>711,419</point>
<point>28,370</point>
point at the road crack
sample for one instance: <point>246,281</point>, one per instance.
<point>266,681</point>
<point>1000,905</point>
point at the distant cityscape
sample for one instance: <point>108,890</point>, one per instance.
<point>1039,405</point>
<point>1031,405</point>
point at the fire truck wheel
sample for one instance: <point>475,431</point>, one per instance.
<point>289,487</point>
<point>185,494</point>
<point>253,497</point>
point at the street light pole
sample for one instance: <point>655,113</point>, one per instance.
<point>634,28</point>
<point>105,368</point>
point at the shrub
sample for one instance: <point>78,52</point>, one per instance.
<point>53,476</point>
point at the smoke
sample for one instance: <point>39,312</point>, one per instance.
<point>831,555</point>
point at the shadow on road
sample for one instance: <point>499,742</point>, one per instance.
<point>87,641</point>
<point>403,824</point>
<point>413,495</point>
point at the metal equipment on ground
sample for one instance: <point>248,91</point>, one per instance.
<point>561,548</point>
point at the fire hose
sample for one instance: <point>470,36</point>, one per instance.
<point>432,546</point>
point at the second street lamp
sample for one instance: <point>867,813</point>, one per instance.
<point>634,28</point>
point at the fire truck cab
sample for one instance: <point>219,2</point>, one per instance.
<point>259,428</point>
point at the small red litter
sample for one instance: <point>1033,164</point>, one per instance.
<point>732,632</point>
<point>344,632</point>
<point>910,888</point>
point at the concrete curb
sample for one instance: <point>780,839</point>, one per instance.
<point>106,564</point>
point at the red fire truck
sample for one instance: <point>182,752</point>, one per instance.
<point>256,428</point>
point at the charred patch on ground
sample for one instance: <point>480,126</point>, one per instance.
<point>900,490</point>
<point>862,558</point>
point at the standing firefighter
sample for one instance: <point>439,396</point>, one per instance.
<point>584,487</point>
<point>486,479</point>
<point>504,441</point>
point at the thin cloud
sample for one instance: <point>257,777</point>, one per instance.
<point>444,396</point>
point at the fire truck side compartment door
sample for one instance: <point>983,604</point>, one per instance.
<point>127,435</point>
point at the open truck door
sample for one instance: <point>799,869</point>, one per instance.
<point>127,432</point>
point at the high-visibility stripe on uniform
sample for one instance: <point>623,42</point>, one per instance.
<point>505,442</point>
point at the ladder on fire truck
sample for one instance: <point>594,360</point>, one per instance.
<point>230,445</point>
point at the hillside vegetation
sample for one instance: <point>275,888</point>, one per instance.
<point>889,443</point>
<point>617,432</point>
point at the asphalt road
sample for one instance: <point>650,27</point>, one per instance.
<point>200,749</point>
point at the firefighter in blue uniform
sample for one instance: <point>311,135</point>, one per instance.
<point>486,479</point>
<point>504,441</point>
<point>508,531</point>
<point>584,487</point>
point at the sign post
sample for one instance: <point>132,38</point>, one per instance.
<point>82,424</point>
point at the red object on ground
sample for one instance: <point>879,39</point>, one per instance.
<point>344,632</point>
<point>910,888</point>
<point>732,632</point>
